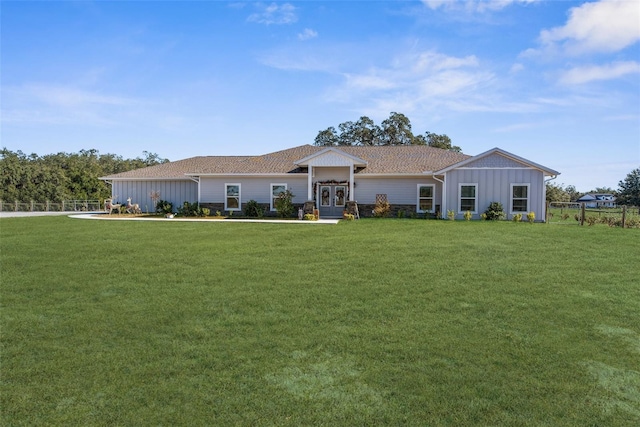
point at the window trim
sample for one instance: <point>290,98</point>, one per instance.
<point>475,198</point>
<point>433,198</point>
<point>271,196</point>
<point>512,198</point>
<point>226,196</point>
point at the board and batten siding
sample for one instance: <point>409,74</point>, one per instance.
<point>401,191</point>
<point>494,185</point>
<point>174,191</point>
<point>212,190</point>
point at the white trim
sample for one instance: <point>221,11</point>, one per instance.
<point>271,196</point>
<point>433,197</point>
<point>226,208</point>
<point>475,203</point>
<point>511,198</point>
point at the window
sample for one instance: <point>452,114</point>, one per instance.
<point>232,200</point>
<point>425,198</point>
<point>276,189</point>
<point>468,197</point>
<point>340,193</point>
<point>519,198</point>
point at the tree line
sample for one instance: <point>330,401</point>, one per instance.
<point>63,176</point>
<point>628,192</point>
<point>395,130</point>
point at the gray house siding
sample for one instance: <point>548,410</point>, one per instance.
<point>494,185</point>
<point>175,191</point>
<point>212,190</point>
<point>403,191</point>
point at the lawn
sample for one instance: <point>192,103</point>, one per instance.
<point>370,322</point>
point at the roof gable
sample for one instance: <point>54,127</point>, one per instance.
<point>331,157</point>
<point>497,158</point>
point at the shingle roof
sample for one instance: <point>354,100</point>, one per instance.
<point>413,159</point>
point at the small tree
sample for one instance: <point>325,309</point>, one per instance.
<point>629,193</point>
<point>494,212</point>
<point>284,204</point>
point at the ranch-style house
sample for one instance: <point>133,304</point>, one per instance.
<point>414,179</point>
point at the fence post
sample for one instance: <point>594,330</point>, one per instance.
<point>582,213</point>
<point>624,216</point>
<point>15,206</point>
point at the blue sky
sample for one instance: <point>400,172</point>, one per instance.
<point>557,82</point>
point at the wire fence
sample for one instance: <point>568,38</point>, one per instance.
<point>575,213</point>
<point>63,206</point>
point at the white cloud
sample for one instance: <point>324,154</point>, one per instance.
<point>473,5</point>
<point>424,80</point>
<point>604,26</point>
<point>589,73</point>
<point>274,14</point>
<point>307,34</point>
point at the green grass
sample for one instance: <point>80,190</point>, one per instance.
<point>371,322</point>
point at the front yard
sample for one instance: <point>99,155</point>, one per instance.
<point>370,322</point>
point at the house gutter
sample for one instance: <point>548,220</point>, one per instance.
<point>196,179</point>
<point>444,193</point>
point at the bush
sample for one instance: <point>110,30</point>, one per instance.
<point>192,209</point>
<point>495,212</point>
<point>382,210</point>
<point>531,216</point>
<point>164,207</point>
<point>349,217</point>
<point>310,217</point>
<point>253,209</point>
<point>517,217</point>
<point>451,214</point>
<point>284,204</point>
<point>468,215</point>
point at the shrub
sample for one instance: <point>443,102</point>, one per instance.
<point>451,214</point>
<point>164,207</point>
<point>284,204</point>
<point>349,217</point>
<point>382,209</point>
<point>310,217</point>
<point>253,209</point>
<point>591,220</point>
<point>191,209</point>
<point>531,216</point>
<point>400,214</point>
<point>468,215</point>
<point>517,217</point>
<point>495,212</point>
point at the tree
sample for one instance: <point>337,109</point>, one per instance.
<point>629,189</point>
<point>327,137</point>
<point>396,130</point>
<point>555,193</point>
<point>440,141</point>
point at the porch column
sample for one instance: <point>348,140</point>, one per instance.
<point>310,183</point>
<point>351,183</point>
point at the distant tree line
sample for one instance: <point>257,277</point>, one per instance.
<point>63,176</point>
<point>396,130</point>
<point>628,192</point>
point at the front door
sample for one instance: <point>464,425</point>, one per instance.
<point>332,199</point>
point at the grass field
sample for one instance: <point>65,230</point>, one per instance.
<point>371,322</point>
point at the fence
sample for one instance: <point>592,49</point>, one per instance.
<point>574,213</point>
<point>63,206</point>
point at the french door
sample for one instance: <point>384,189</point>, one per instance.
<point>331,200</point>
